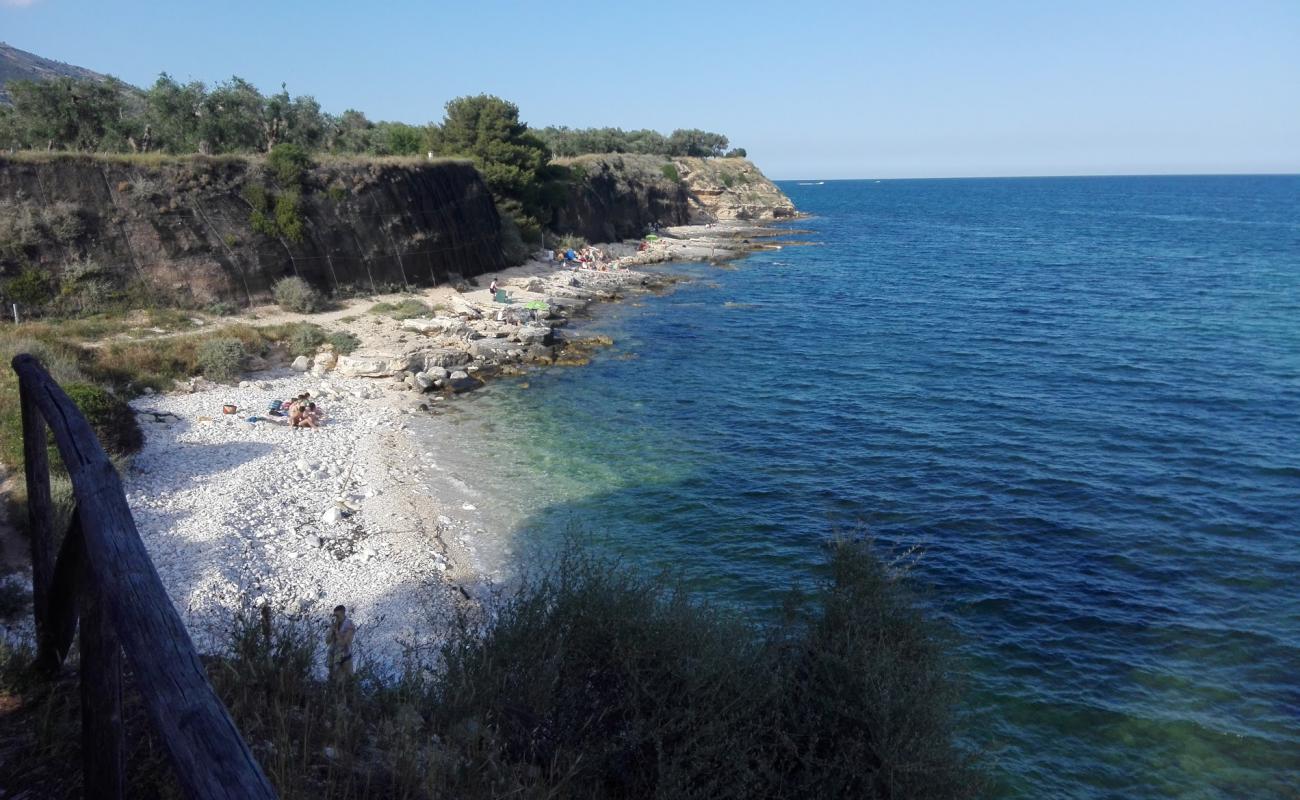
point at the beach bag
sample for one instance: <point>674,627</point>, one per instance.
<point>229,408</point>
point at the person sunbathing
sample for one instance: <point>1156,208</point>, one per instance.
<point>310,417</point>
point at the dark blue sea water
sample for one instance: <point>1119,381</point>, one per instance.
<point>1080,396</point>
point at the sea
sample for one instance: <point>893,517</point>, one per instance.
<point>1074,402</point>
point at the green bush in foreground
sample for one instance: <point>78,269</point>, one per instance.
<point>295,294</point>
<point>592,681</point>
<point>610,685</point>
<point>222,359</point>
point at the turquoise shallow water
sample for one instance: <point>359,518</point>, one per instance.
<point>1080,396</point>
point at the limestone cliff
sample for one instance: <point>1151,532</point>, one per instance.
<point>617,196</point>
<point>182,229</point>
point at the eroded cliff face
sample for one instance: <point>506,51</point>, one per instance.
<point>184,228</point>
<point>619,195</point>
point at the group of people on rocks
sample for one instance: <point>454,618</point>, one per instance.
<point>585,258</point>
<point>300,410</point>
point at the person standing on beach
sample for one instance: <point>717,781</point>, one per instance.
<point>339,640</point>
<point>493,289</point>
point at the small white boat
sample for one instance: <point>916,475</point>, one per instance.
<point>811,183</point>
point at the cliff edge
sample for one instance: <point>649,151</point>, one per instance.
<point>197,230</point>
<point>617,196</point>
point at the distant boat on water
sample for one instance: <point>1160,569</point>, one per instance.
<point>811,183</point>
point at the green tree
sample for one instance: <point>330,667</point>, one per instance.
<point>295,120</point>
<point>68,114</point>
<point>398,139</point>
<point>487,129</point>
<point>351,132</point>
<point>11,132</point>
<point>230,120</point>
<point>173,113</point>
<point>695,142</point>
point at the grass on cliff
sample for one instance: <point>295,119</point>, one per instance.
<point>589,681</point>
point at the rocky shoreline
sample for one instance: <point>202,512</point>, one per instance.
<point>240,510</point>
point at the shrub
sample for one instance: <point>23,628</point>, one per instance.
<point>64,222</point>
<point>608,684</point>
<point>304,339</point>
<point>295,294</point>
<point>288,216</point>
<point>406,309</point>
<point>288,163</point>
<point>570,241</point>
<point>31,288</point>
<point>593,681</point>
<point>670,172</point>
<point>221,308</point>
<point>343,342</point>
<point>221,359</point>
<point>111,418</point>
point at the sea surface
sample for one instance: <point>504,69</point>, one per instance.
<point>1079,396</point>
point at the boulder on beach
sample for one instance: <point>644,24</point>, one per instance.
<point>463,384</point>
<point>447,327</point>
<point>463,308</point>
<point>534,334</point>
<point>444,357</point>
<point>370,366</point>
<point>301,364</point>
<point>516,315</point>
<point>492,349</point>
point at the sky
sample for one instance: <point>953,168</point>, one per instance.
<point>813,90</point>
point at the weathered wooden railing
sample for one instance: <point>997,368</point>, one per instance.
<point>103,574</point>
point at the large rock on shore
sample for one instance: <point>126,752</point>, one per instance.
<point>449,327</point>
<point>371,366</point>
<point>534,334</point>
<point>443,357</point>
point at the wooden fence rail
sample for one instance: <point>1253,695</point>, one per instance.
<point>103,574</point>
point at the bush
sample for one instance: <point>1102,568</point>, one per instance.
<point>221,359</point>
<point>31,288</point>
<point>288,216</point>
<point>295,294</point>
<point>304,339</point>
<point>111,418</point>
<point>593,681</point>
<point>611,685</point>
<point>570,241</point>
<point>343,342</point>
<point>288,163</point>
<point>670,172</point>
<point>406,309</point>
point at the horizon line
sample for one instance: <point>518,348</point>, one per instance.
<point>1061,175</point>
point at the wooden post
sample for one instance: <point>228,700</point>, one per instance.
<point>102,747</point>
<point>61,614</point>
<point>212,760</point>
<point>40,508</point>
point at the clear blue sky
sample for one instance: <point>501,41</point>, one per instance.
<point>812,89</point>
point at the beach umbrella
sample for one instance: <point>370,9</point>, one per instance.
<point>651,238</point>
